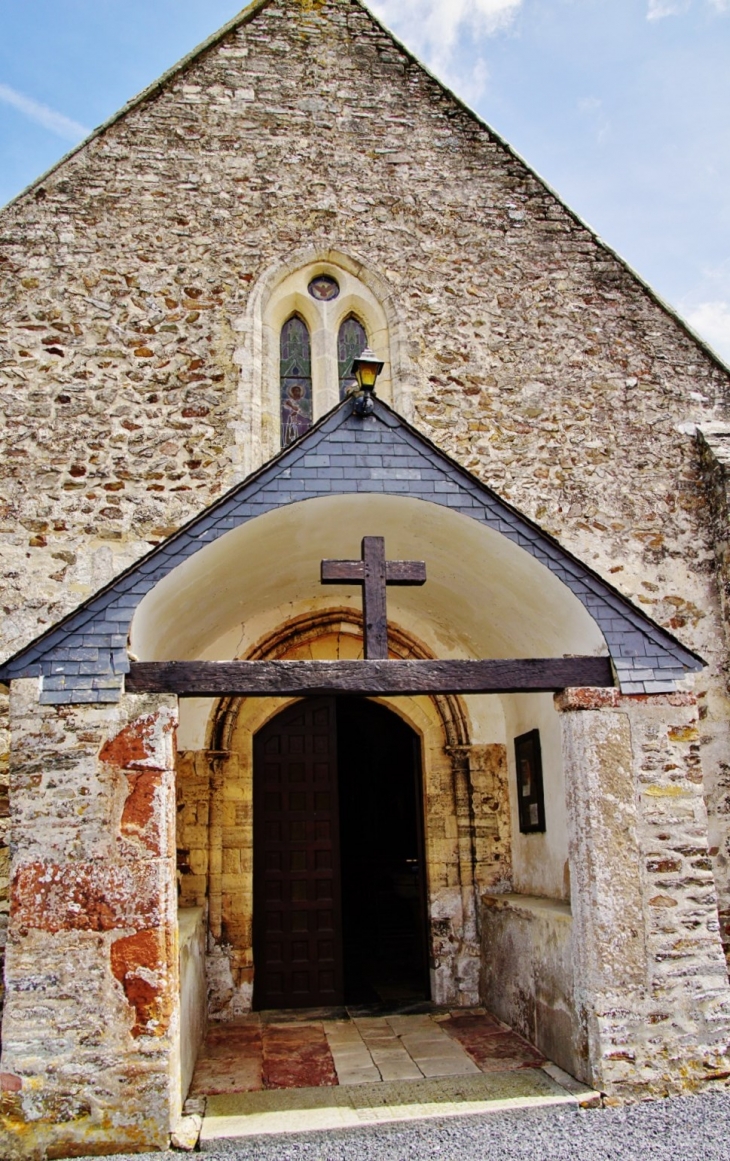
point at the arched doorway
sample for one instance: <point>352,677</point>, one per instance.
<point>254,594</point>
<point>339,868</point>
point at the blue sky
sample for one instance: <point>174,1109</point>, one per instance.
<point>623,106</point>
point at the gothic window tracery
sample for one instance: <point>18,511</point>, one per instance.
<point>351,342</point>
<point>295,377</point>
<point>315,321</point>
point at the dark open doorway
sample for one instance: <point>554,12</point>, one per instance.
<point>339,873</point>
<point>381,843</point>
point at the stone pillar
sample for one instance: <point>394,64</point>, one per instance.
<point>4,828</point>
<point>713,441</point>
<point>651,987</point>
<point>90,1053</point>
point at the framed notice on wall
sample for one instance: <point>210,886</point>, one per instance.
<point>530,798</point>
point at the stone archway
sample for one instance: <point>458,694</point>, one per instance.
<point>466,812</point>
<point>255,595</point>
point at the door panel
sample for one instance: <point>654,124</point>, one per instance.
<point>297,912</point>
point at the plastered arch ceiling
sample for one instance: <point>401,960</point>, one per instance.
<point>484,596</point>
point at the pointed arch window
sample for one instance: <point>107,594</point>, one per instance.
<point>351,342</point>
<point>295,380</point>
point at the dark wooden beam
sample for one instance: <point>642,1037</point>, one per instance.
<point>299,678</point>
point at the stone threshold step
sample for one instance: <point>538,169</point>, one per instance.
<point>285,1111</point>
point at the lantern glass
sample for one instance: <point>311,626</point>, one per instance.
<point>366,369</point>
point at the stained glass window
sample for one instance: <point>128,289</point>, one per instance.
<point>295,379</point>
<point>324,288</point>
<point>351,342</point>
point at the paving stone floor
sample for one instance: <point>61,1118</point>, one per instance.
<point>278,1050</point>
<point>293,1072</point>
<point>691,1128</point>
<point>306,1110</point>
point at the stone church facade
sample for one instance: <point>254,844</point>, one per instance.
<point>182,298</point>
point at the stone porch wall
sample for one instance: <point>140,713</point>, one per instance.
<point>527,974</point>
<point>91,1021</point>
<point>650,978</point>
<point>193,991</point>
<point>627,986</point>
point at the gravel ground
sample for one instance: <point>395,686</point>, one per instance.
<point>681,1129</point>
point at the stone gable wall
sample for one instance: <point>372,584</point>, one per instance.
<point>538,361</point>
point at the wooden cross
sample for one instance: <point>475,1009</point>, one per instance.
<point>374,572</point>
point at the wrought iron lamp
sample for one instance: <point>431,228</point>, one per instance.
<point>366,368</point>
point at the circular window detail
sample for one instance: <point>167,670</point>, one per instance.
<point>324,288</point>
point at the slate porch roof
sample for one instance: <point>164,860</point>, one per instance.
<point>84,657</point>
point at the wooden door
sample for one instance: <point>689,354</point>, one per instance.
<point>297,913</point>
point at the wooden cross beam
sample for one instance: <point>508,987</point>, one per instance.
<point>376,674</point>
<point>365,678</point>
<point>374,572</point>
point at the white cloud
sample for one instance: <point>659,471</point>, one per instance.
<point>712,321</point>
<point>468,83</point>
<point>658,9</point>
<point>432,29</point>
<point>42,115</point>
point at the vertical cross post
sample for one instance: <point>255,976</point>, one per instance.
<point>374,573</point>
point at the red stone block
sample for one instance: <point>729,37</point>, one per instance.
<point>231,1059</point>
<point>140,963</point>
<point>586,699</point>
<point>141,815</point>
<point>490,1045</point>
<point>138,744</point>
<point>589,698</point>
<point>86,897</point>
<point>297,1056</point>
